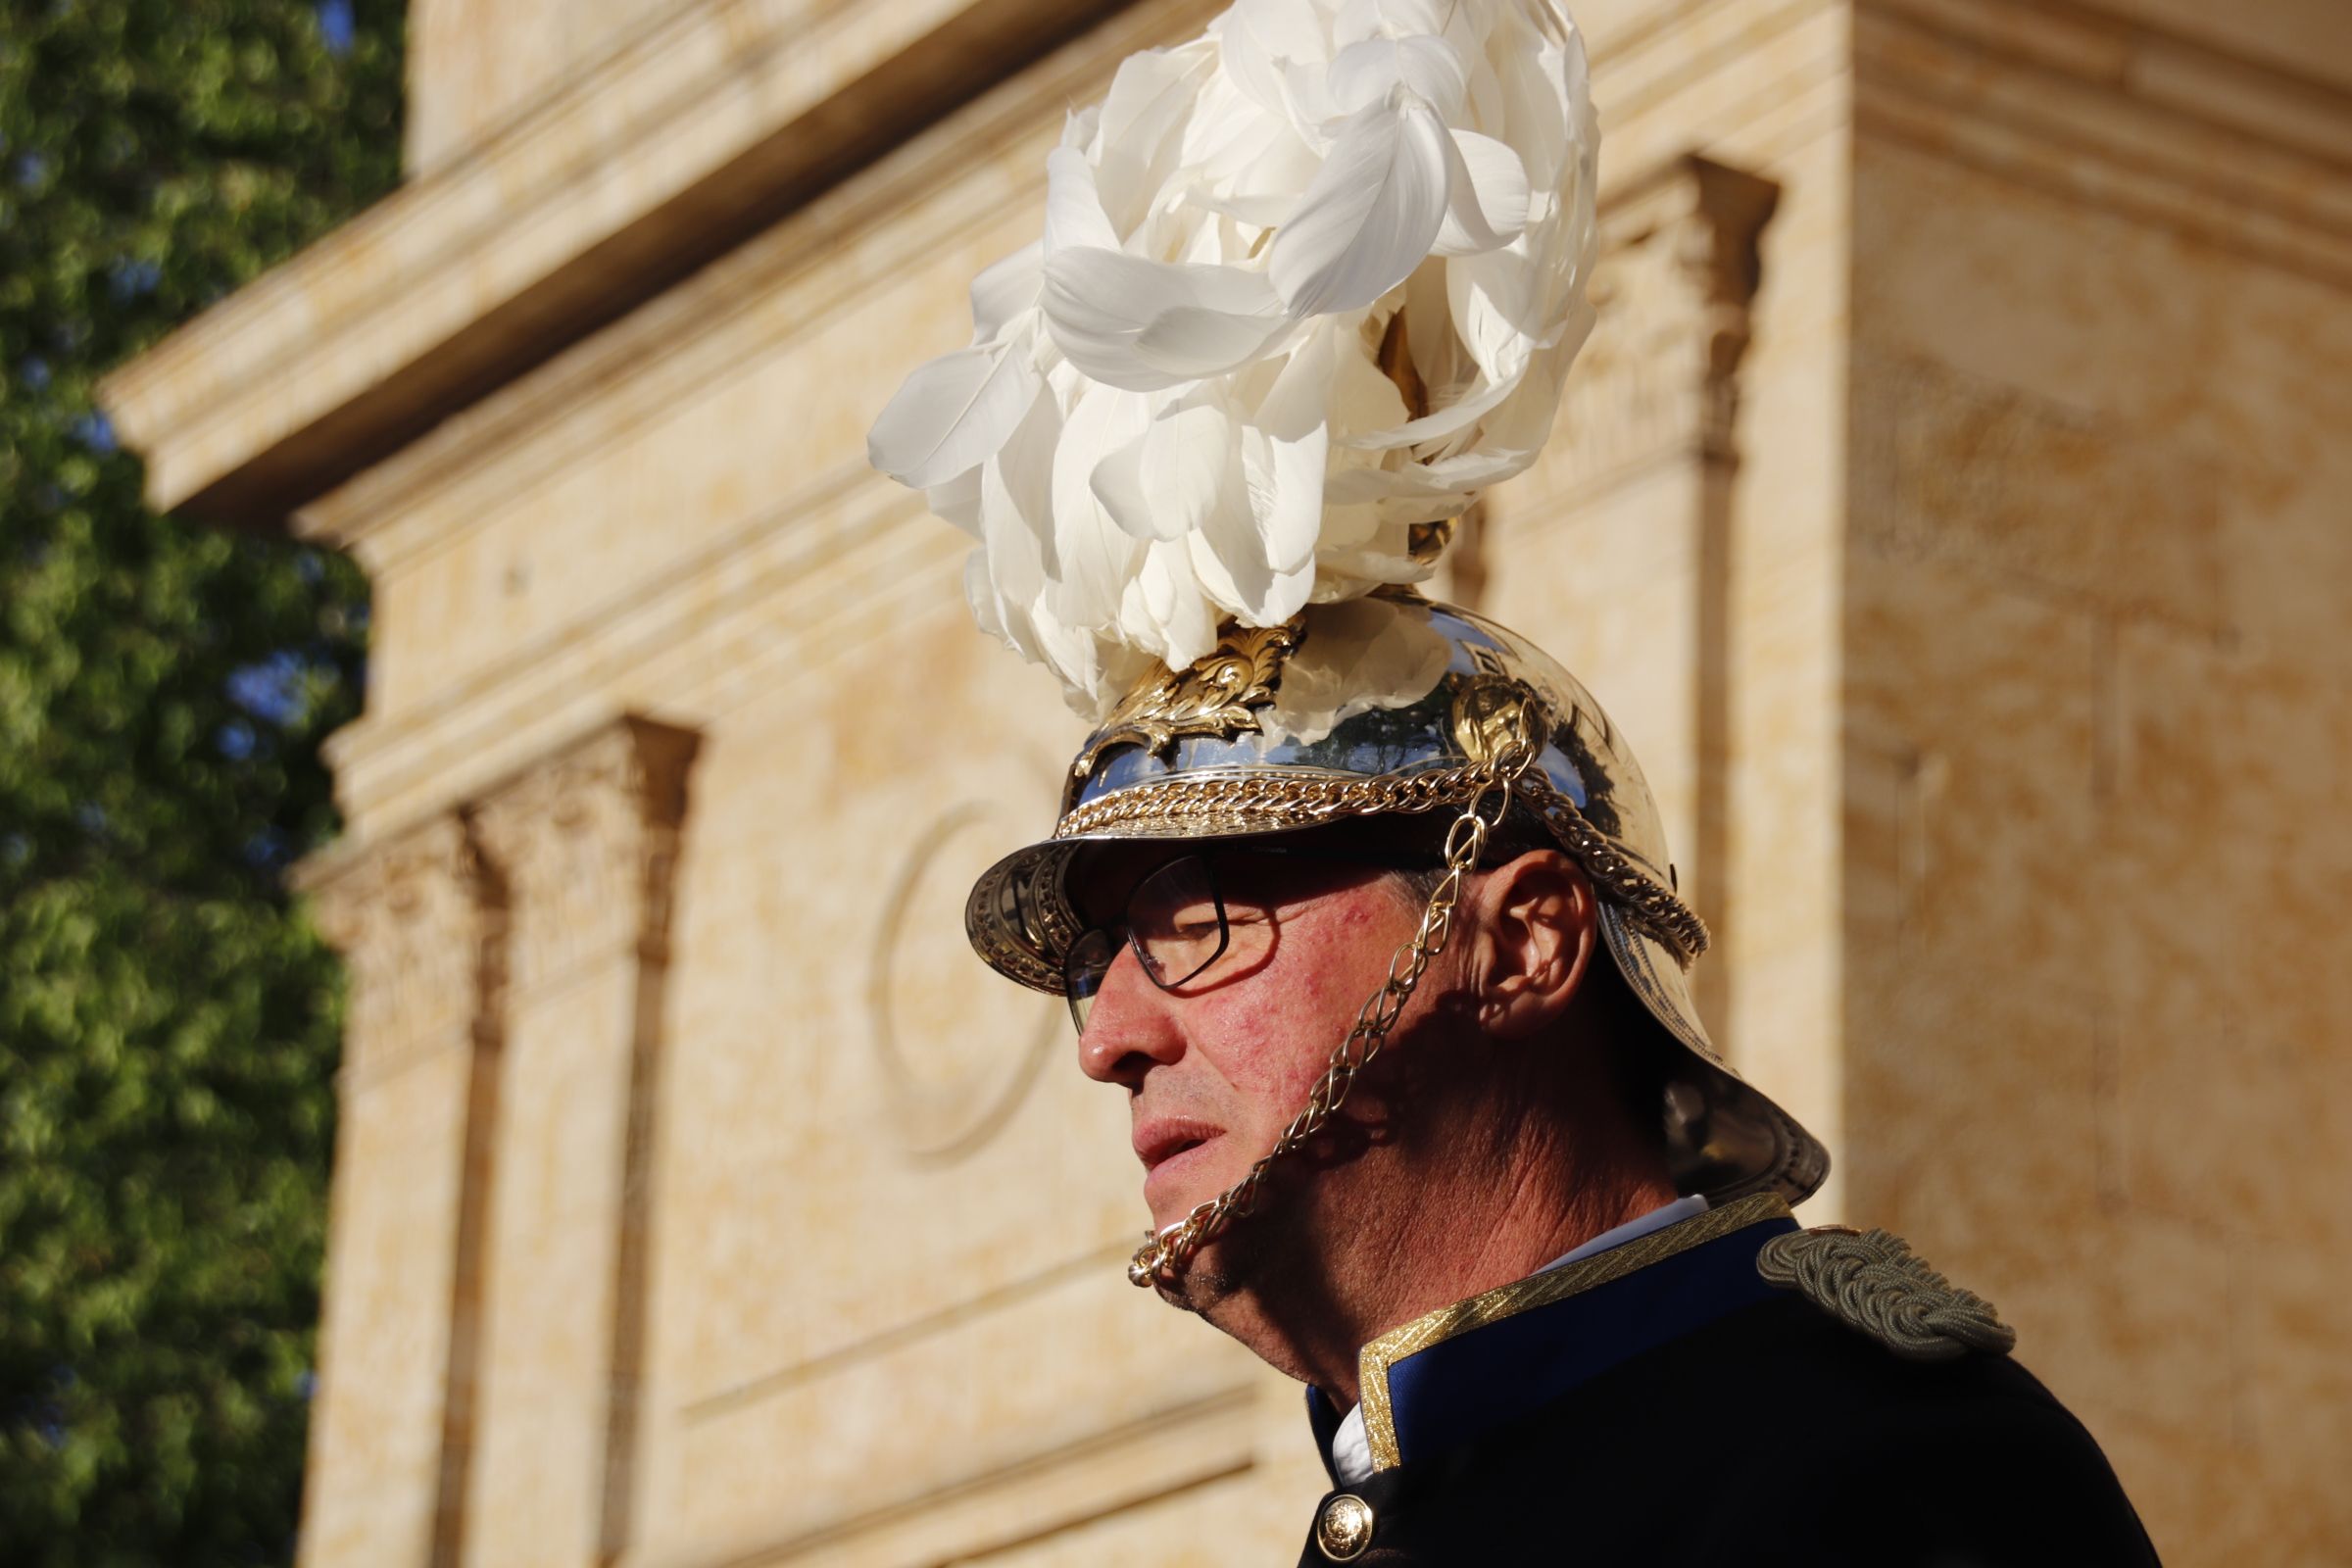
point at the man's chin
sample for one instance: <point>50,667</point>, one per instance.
<point>1249,1258</point>
<point>1207,1281</point>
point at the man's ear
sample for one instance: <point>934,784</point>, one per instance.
<point>1537,923</point>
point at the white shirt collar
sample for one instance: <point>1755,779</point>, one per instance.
<point>1352,1450</point>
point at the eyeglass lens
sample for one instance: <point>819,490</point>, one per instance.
<point>1176,923</point>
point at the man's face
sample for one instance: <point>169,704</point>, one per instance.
<point>1215,1067</point>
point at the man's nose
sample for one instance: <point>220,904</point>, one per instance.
<point>1129,1030</point>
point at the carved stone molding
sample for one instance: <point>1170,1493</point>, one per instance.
<point>1678,269</point>
<point>945,1104</point>
<point>585,843</point>
<point>417,923</point>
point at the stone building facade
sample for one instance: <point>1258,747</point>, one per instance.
<point>1950,506</point>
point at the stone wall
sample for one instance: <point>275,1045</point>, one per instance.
<point>2094,741</point>
<point>1944,508</point>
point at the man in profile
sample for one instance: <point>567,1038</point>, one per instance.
<point>1428,1121</point>
<point>1360,901</point>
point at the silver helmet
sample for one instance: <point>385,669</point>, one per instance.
<point>1390,704</point>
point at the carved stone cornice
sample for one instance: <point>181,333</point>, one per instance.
<point>417,927</point>
<point>692,133</point>
<point>2235,150</point>
<point>1677,272</point>
<point>585,843</point>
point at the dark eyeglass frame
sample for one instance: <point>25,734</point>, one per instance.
<point>1081,982</point>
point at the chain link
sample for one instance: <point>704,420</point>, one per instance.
<point>1165,1254</point>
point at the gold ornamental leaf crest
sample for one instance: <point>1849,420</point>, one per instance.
<point>1218,694</point>
<point>1491,713</point>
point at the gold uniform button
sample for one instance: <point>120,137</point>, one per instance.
<point>1346,1528</point>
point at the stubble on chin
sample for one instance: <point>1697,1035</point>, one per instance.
<point>1212,1278</point>
<point>1256,1277</point>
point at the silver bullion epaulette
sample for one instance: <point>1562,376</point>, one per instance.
<point>1871,1281</point>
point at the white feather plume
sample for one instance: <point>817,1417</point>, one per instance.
<point>1192,399</point>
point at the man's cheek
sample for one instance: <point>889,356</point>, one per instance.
<point>1291,1038</point>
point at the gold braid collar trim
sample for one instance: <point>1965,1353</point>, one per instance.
<point>1537,1290</point>
<point>1262,802</point>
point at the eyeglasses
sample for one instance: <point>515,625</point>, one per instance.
<point>1181,925</point>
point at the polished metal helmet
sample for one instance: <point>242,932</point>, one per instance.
<point>1390,704</point>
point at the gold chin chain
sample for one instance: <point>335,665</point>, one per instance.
<point>1165,1254</point>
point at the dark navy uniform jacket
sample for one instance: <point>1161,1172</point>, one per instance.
<point>1663,1404</point>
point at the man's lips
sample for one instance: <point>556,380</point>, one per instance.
<point>1164,1139</point>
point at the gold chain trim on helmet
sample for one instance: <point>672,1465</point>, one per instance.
<point>1252,800</point>
<point>1164,1255</point>
<point>1657,910</point>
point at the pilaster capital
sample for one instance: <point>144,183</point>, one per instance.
<point>585,843</point>
<point>410,915</point>
<point>1671,290</point>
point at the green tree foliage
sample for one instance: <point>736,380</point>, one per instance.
<point>167,1023</point>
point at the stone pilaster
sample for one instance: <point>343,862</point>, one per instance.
<point>585,843</point>
<point>419,926</point>
<point>1621,541</point>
